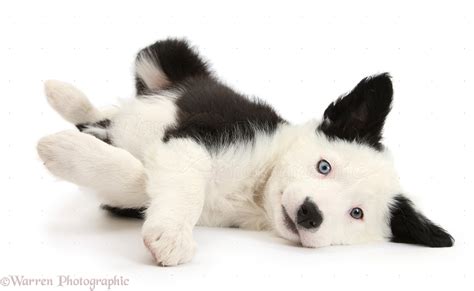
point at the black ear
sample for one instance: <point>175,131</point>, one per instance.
<point>360,115</point>
<point>411,227</point>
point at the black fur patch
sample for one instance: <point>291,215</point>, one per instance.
<point>214,115</point>
<point>411,227</point>
<point>360,115</point>
<point>138,213</point>
<point>208,112</point>
<point>176,59</point>
<point>101,125</point>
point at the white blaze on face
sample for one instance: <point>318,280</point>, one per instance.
<point>360,177</point>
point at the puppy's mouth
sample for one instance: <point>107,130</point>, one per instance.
<point>289,223</point>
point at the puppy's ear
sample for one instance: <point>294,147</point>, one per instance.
<point>411,227</point>
<point>360,115</point>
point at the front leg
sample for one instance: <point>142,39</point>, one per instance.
<point>178,172</point>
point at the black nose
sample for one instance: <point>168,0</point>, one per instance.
<point>309,215</point>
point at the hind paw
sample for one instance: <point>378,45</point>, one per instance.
<point>65,154</point>
<point>70,102</point>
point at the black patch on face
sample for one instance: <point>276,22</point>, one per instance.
<point>214,115</point>
<point>103,125</point>
<point>138,213</point>
<point>411,227</point>
<point>176,59</point>
<point>360,115</point>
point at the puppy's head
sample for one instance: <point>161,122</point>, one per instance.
<point>336,184</point>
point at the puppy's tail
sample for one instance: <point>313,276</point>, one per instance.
<point>166,63</point>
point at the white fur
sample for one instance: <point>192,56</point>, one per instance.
<point>178,172</point>
<point>70,102</point>
<point>244,184</point>
<point>84,160</point>
<point>140,123</point>
<point>360,177</point>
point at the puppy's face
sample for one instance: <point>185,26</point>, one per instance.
<point>336,184</point>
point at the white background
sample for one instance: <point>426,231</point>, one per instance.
<point>298,56</point>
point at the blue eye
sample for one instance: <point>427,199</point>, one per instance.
<point>324,167</point>
<point>357,213</point>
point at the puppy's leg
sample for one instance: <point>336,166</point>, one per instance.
<point>177,175</point>
<point>74,107</point>
<point>86,161</point>
<point>71,103</point>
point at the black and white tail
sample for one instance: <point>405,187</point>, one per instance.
<point>166,63</point>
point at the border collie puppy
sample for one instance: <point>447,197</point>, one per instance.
<point>191,151</point>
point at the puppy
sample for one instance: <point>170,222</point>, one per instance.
<point>191,151</point>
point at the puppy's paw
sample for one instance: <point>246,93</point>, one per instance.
<point>70,102</point>
<point>169,247</point>
<point>63,153</point>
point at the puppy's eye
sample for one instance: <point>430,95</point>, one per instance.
<point>357,213</point>
<point>323,167</point>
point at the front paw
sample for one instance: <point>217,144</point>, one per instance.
<point>169,247</point>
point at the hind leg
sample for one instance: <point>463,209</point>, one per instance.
<point>71,103</point>
<point>74,107</point>
<point>117,176</point>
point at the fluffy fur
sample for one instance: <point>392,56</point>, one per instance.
<point>191,151</point>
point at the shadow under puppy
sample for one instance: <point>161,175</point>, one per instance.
<point>188,150</point>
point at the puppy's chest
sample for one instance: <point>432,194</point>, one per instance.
<point>234,194</point>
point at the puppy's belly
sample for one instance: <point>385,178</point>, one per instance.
<point>229,203</point>
<point>141,123</point>
<point>229,211</point>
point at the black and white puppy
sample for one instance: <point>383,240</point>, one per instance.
<point>191,151</point>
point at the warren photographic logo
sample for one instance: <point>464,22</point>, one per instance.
<point>89,283</point>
